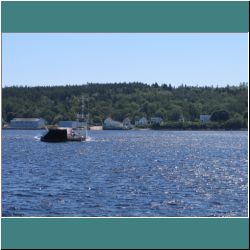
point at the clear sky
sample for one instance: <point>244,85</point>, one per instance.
<point>59,59</point>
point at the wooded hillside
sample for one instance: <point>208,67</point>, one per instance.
<point>121,100</point>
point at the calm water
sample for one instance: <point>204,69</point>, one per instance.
<point>126,173</point>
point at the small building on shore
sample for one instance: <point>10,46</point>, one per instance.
<point>142,122</point>
<point>111,124</point>
<point>181,119</point>
<point>27,123</point>
<point>127,123</point>
<point>156,120</point>
<point>95,127</point>
<point>205,118</point>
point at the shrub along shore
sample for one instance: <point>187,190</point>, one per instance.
<point>229,125</point>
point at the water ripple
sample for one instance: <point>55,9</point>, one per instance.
<point>126,173</point>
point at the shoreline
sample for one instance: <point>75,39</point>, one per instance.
<point>23,128</point>
<point>140,129</point>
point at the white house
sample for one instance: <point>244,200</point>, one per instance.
<point>156,120</point>
<point>111,124</point>
<point>127,123</point>
<point>182,119</point>
<point>27,123</point>
<point>142,122</point>
<point>205,118</point>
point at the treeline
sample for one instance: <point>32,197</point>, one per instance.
<point>133,100</point>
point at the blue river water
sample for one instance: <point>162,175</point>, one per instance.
<point>140,173</point>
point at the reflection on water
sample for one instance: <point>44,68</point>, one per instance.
<point>126,173</point>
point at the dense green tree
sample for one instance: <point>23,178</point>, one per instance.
<point>246,115</point>
<point>193,111</point>
<point>132,100</point>
<point>175,113</point>
<point>234,123</point>
<point>220,115</point>
<point>10,116</point>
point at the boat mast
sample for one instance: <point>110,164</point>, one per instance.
<point>83,116</point>
<point>87,117</point>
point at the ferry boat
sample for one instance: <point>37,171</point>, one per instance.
<point>60,134</point>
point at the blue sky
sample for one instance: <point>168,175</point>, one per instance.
<point>59,59</point>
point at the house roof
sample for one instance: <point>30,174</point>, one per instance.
<point>27,119</point>
<point>126,119</point>
<point>156,117</point>
<point>108,119</point>
<point>67,121</point>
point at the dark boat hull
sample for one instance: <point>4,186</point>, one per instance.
<point>55,135</point>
